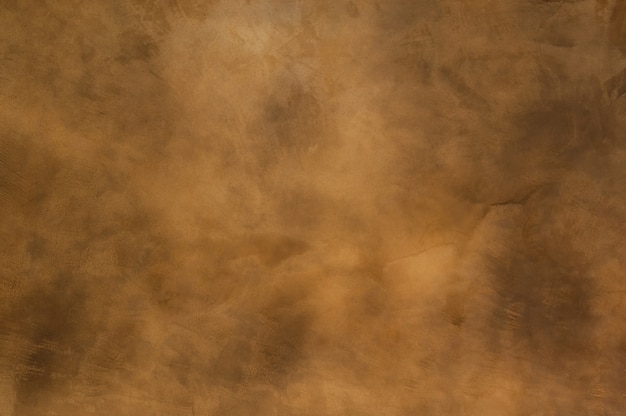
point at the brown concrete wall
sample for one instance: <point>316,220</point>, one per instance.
<point>312,207</point>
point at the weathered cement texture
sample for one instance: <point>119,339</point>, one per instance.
<point>312,207</point>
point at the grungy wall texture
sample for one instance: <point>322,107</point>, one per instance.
<point>312,207</point>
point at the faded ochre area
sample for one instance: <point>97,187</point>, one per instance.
<point>320,207</point>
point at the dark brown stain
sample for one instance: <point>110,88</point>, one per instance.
<point>352,9</point>
<point>295,118</point>
<point>136,46</point>
<point>455,308</point>
<point>273,250</point>
<point>617,26</point>
<point>552,316</point>
<point>55,316</point>
<point>616,85</point>
<point>469,96</point>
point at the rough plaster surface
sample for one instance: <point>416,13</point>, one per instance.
<point>312,207</point>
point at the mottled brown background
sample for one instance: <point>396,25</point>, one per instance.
<point>312,207</point>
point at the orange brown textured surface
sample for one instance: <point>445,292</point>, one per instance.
<point>324,207</point>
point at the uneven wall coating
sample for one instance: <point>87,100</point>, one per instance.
<point>312,207</point>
